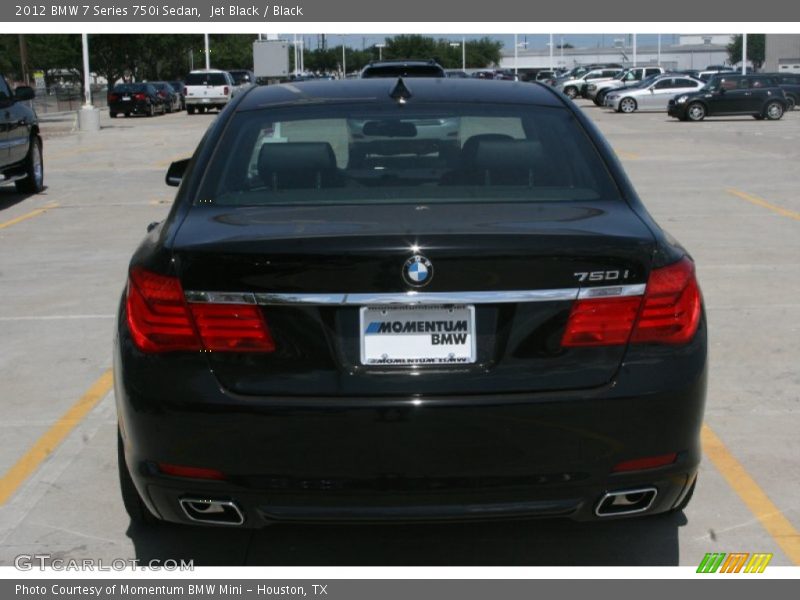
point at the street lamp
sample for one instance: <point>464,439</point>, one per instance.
<point>463,45</point>
<point>380,48</point>
<point>524,46</point>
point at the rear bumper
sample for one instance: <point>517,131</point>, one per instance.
<point>206,101</point>
<point>410,458</point>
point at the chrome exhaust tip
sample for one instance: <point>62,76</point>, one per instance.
<point>216,512</point>
<point>625,502</point>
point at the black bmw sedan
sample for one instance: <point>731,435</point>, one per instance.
<point>391,299</point>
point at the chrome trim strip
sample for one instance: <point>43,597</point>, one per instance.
<point>612,291</point>
<point>500,297</point>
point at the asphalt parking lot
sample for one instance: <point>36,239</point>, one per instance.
<point>726,188</point>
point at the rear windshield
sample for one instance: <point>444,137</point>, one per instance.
<point>346,154</point>
<point>206,79</point>
<point>404,71</point>
<point>130,87</point>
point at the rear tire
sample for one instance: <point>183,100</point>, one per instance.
<point>190,110</point>
<point>112,114</point>
<point>127,114</point>
<point>134,505</point>
<point>773,111</point>
<point>151,111</point>
<point>571,92</point>
<point>34,169</point>
<point>791,103</point>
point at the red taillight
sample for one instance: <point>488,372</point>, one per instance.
<point>158,317</point>
<point>671,307</point>
<point>113,97</point>
<point>232,327</point>
<point>225,90</point>
<point>160,320</point>
<point>190,472</point>
<point>140,96</point>
<point>601,321</point>
<point>651,462</point>
<point>669,312</point>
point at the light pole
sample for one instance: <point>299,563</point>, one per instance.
<point>744,54</point>
<point>634,49</point>
<point>344,60</point>
<point>659,49</point>
<point>464,53</point>
<point>380,48</point>
<point>208,53</point>
<point>551,52</point>
<point>516,53</point>
<point>88,115</point>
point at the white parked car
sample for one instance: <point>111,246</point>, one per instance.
<point>207,89</point>
<point>652,95</point>
<point>573,87</point>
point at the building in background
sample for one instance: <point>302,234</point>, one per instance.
<point>782,53</point>
<point>696,51</point>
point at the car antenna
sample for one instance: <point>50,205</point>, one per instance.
<point>400,91</point>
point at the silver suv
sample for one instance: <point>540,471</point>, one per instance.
<point>597,91</point>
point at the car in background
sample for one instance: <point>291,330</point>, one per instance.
<point>728,95</point>
<point>242,79</point>
<point>597,90</point>
<point>180,87</point>
<point>135,99</point>
<point>402,68</point>
<point>170,96</point>
<point>208,89</point>
<point>545,76</point>
<point>653,96</point>
<point>707,74</point>
<point>501,333</point>
<point>790,82</point>
<point>572,88</point>
<point>456,74</point>
<point>21,158</point>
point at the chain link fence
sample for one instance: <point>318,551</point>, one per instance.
<point>66,98</point>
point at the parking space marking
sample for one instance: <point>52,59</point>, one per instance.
<point>26,216</point>
<point>627,155</point>
<point>770,516</point>
<point>47,443</point>
<point>784,212</point>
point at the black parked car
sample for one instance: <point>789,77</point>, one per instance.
<point>170,97</point>
<point>790,82</point>
<point>135,99</point>
<point>727,95</point>
<point>20,143</point>
<point>403,68</point>
<point>180,87</point>
<point>499,331</point>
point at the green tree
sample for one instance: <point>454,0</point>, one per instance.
<point>756,49</point>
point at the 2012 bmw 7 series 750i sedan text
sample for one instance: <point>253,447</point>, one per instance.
<point>392,299</point>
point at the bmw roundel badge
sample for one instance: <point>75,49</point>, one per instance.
<point>417,271</point>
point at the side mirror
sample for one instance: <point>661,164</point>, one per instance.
<point>24,92</point>
<point>176,171</point>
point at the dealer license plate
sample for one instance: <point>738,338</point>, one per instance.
<point>417,335</point>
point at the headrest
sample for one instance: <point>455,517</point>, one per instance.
<point>470,148</point>
<point>296,156</point>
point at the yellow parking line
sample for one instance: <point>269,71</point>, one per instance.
<point>45,445</point>
<point>26,216</point>
<point>627,155</point>
<point>770,516</point>
<point>784,212</point>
